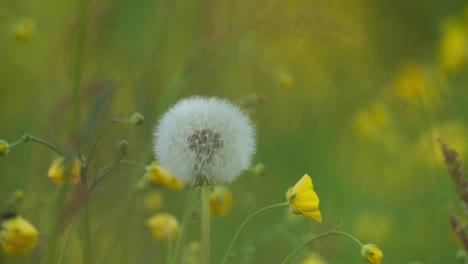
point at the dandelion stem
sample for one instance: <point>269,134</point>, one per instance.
<point>189,203</point>
<point>317,237</point>
<point>245,222</point>
<point>205,224</point>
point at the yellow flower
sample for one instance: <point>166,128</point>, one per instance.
<point>154,200</point>
<point>160,176</point>
<point>17,236</point>
<point>372,121</point>
<point>24,29</point>
<point>313,258</point>
<point>220,201</point>
<point>4,147</point>
<point>303,200</point>
<point>372,253</point>
<point>59,168</point>
<point>453,46</point>
<point>285,81</point>
<point>164,226</point>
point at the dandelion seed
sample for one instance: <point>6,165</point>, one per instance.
<point>205,141</point>
<point>220,201</point>
<point>303,199</point>
<point>371,253</point>
<point>59,167</point>
<point>17,236</point>
<point>164,226</point>
<point>158,175</point>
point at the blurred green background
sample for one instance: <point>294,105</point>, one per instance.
<point>358,92</point>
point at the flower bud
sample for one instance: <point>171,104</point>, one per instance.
<point>58,169</point>
<point>259,169</point>
<point>123,147</point>
<point>371,253</point>
<point>137,119</point>
<point>4,147</point>
<point>24,29</point>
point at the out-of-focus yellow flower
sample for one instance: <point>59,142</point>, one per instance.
<point>426,149</point>
<point>303,199</point>
<point>59,167</point>
<point>24,29</point>
<point>313,258</point>
<point>220,201</point>
<point>164,226</point>
<point>160,176</point>
<point>191,253</point>
<point>372,253</point>
<point>381,226</point>
<point>4,147</point>
<point>372,121</point>
<point>285,81</point>
<point>453,46</point>
<point>154,200</point>
<point>17,236</point>
<point>412,86</point>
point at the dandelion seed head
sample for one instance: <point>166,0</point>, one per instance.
<point>205,140</point>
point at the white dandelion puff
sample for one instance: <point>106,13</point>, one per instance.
<point>205,140</point>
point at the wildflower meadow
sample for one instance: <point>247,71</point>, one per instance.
<point>233,132</point>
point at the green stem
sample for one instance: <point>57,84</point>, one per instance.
<point>17,142</point>
<point>169,250</point>
<point>65,242</point>
<point>51,248</point>
<point>245,222</point>
<point>189,203</point>
<point>28,137</point>
<point>87,235</point>
<point>329,233</point>
<point>205,224</point>
<point>78,63</point>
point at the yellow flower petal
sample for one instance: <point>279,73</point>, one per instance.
<point>18,236</point>
<point>303,199</point>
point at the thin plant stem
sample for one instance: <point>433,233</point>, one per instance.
<point>65,242</point>
<point>78,63</point>
<point>245,222</point>
<point>189,203</point>
<point>60,204</point>
<point>28,137</point>
<point>169,250</point>
<point>317,237</point>
<point>87,235</point>
<point>205,224</point>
